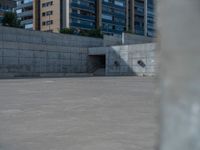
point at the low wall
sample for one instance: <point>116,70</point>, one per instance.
<point>47,38</point>
<point>109,40</point>
<point>139,59</point>
<point>125,39</point>
<point>32,53</point>
<point>128,38</point>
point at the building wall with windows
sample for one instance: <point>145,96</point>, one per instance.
<point>24,12</point>
<point>50,15</point>
<point>83,14</point>
<point>6,6</point>
<point>140,16</point>
<point>150,18</point>
<point>111,16</point>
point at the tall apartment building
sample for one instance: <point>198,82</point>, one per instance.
<point>140,17</point>
<point>24,12</point>
<point>111,16</point>
<point>53,15</point>
<point>6,6</point>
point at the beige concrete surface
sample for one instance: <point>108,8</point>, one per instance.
<point>105,113</point>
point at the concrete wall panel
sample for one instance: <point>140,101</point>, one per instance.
<point>28,53</point>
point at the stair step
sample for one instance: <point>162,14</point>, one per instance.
<point>100,72</point>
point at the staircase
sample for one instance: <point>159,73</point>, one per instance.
<point>99,72</point>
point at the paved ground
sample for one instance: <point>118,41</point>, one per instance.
<point>102,113</point>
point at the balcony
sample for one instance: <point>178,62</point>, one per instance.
<point>83,17</point>
<point>25,13</point>
<point>83,7</point>
<point>28,21</point>
<point>83,26</point>
<point>24,5</point>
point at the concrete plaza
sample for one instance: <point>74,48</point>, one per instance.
<point>96,113</point>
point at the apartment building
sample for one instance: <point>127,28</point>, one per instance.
<point>6,6</point>
<point>111,16</point>
<point>47,15</point>
<point>24,12</point>
<point>140,17</point>
<point>53,15</point>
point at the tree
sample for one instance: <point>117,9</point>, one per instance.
<point>92,33</point>
<point>67,31</point>
<point>10,19</point>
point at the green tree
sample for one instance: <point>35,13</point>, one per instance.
<point>67,31</point>
<point>92,33</point>
<point>10,19</point>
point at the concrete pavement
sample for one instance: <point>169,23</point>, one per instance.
<point>96,113</point>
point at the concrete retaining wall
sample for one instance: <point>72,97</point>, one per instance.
<point>30,53</point>
<point>126,59</point>
<point>109,40</point>
<point>125,39</point>
<point>128,38</point>
<point>33,53</point>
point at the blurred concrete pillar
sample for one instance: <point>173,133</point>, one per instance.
<point>178,24</point>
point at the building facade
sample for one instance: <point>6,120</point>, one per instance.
<point>111,16</point>
<point>6,6</point>
<point>24,12</point>
<point>141,17</point>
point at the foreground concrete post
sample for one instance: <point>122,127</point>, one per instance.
<point>179,23</point>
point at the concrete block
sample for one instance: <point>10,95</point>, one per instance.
<point>10,60</point>
<point>1,60</point>
<point>10,53</point>
<point>124,68</point>
<point>52,47</point>
<point>151,61</point>
<point>25,61</point>
<point>39,61</point>
<point>10,45</point>
<point>1,52</point>
<point>25,46</point>
<point>67,56</point>
<point>12,68</point>
<point>26,53</point>
<point>53,55</point>
<point>75,56</point>
<point>84,62</point>
<point>24,68</point>
<point>40,54</point>
<point>24,38</point>
<point>1,44</point>
<point>10,37</point>
<point>150,69</point>
<point>67,62</point>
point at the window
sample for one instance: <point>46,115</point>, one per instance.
<point>29,26</point>
<point>47,4</point>
<point>49,22</point>
<point>27,1</point>
<point>107,17</point>
<point>48,13</point>
<point>118,3</point>
<point>18,11</point>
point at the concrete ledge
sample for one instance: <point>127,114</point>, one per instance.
<point>43,75</point>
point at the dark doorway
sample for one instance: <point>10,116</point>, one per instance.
<point>97,64</point>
